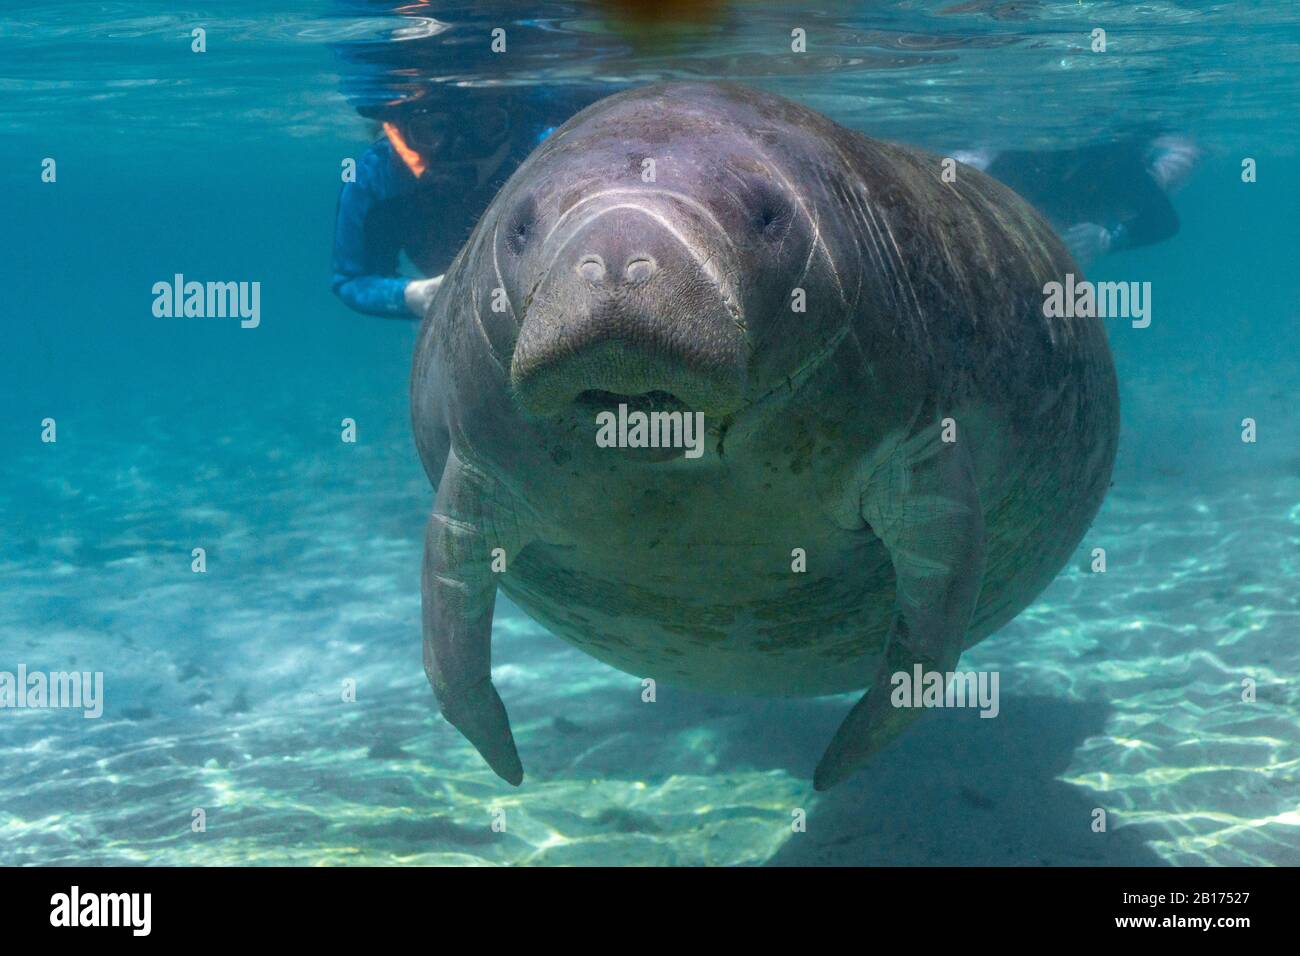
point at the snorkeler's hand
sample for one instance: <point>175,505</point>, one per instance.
<point>419,292</point>
<point>1087,241</point>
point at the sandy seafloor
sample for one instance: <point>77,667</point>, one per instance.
<point>1120,691</point>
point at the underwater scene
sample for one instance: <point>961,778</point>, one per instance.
<point>851,347</point>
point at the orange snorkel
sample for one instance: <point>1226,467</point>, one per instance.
<point>409,156</point>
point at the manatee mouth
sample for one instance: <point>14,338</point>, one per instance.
<point>597,400</point>
<point>591,402</point>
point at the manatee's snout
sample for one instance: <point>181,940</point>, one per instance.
<point>634,304</point>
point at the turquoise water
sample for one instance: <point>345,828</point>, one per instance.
<point>1120,691</point>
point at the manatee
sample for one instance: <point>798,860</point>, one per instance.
<point>900,450</point>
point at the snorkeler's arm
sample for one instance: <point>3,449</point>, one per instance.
<point>1154,220</point>
<point>1167,166</point>
<point>365,260</point>
<point>1143,218</point>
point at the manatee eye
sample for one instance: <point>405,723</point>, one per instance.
<point>520,226</point>
<point>772,213</point>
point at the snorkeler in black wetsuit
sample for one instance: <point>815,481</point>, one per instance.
<point>448,145</point>
<point>453,123</point>
<point>421,187</point>
<point>1100,198</point>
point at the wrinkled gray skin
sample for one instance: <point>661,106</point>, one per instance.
<point>923,303</point>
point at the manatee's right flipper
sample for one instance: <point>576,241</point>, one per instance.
<point>459,590</point>
<point>923,503</point>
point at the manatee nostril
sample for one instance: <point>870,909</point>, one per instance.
<point>640,269</point>
<point>591,268</point>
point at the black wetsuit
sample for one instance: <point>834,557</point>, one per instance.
<point>1110,185</point>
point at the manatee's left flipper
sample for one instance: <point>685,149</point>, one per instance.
<point>923,503</point>
<point>459,591</point>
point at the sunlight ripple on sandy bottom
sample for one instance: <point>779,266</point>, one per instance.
<point>224,692</point>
